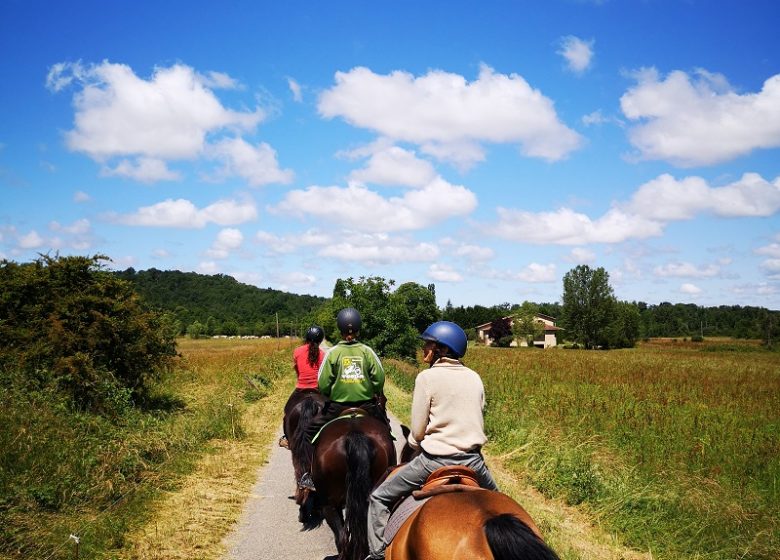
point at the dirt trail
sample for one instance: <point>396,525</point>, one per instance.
<point>269,528</point>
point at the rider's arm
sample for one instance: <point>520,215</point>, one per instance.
<point>421,409</point>
<point>326,375</point>
<point>376,373</point>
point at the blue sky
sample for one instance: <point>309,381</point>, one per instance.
<point>487,148</point>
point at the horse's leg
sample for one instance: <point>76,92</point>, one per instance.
<point>335,522</point>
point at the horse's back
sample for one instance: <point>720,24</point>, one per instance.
<point>451,526</point>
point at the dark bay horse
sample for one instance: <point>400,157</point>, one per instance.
<point>468,525</point>
<point>298,413</point>
<point>350,455</point>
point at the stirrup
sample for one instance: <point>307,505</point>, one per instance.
<point>306,482</point>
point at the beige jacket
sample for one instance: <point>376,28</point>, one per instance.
<point>447,409</point>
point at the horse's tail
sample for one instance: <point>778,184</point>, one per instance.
<point>302,448</point>
<point>360,455</point>
<point>511,539</point>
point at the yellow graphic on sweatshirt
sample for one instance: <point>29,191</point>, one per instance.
<point>352,369</point>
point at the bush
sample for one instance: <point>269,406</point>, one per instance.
<point>67,323</point>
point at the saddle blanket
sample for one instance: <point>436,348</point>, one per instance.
<point>400,514</point>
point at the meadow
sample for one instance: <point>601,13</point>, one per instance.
<point>674,445</point>
<point>65,472</point>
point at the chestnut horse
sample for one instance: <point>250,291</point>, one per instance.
<point>300,409</point>
<point>468,525</point>
<point>351,454</point>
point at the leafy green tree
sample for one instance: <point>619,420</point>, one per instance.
<point>525,325</point>
<point>387,324</point>
<point>420,303</point>
<point>196,330</point>
<point>212,326</point>
<point>588,305</point>
<point>623,331</point>
<point>67,323</point>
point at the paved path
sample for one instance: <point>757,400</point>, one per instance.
<point>269,528</point>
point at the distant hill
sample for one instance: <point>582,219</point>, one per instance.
<point>220,300</point>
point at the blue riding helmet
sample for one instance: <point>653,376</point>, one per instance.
<point>449,334</point>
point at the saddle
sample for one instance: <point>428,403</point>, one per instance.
<point>453,478</point>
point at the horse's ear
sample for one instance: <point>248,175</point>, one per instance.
<point>405,431</point>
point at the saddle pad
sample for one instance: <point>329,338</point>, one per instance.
<point>400,514</point>
<point>347,416</point>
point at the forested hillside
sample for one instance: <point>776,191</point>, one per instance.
<point>221,304</point>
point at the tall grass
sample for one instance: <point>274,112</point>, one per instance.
<point>63,472</point>
<point>676,446</point>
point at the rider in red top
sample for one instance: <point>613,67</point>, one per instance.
<point>307,359</point>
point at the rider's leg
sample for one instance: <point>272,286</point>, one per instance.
<point>407,479</point>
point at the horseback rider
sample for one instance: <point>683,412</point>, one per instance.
<point>447,426</point>
<point>350,376</point>
<point>307,360</point>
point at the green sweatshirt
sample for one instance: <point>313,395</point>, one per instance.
<point>351,372</point>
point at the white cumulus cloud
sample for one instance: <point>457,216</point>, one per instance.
<point>227,241</point>
<point>379,249</point>
<point>395,166</point>
<point>444,273</point>
<point>356,207</point>
<point>143,169</point>
<point>182,213</point>
<point>690,289</point>
<point>687,270</point>
<point>257,164</point>
<point>577,52</point>
<point>700,119</point>
<point>449,116</point>
<point>567,227</point>
<point>666,198</point>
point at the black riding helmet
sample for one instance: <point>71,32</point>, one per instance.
<point>314,334</point>
<point>348,321</point>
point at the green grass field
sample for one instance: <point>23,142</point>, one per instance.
<point>675,446</point>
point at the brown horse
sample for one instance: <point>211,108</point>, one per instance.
<point>468,525</point>
<point>299,411</point>
<point>350,455</point>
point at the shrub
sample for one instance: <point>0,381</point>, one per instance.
<point>67,323</point>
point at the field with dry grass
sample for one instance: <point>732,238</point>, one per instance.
<point>673,447</point>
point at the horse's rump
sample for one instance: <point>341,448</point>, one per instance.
<point>460,526</point>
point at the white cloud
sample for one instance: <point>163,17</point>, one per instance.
<point>771,250</point>
<point>208,267</point>
<point>666,198</point>
<point>257,164</point>
<point>579,255</point>
<point>182,213</point>
<point>700,120</point>
<point>771,267</point>
<point>379,249</point>
<point>690,289</point>
<point>356,207</point>
<point>31,240</point>
<point>474,252</point>
<point>686,270</point>
<point>79,227</point>
<point>295,88</point>
<point>567,227</point>
<point>165,117</point>
<point>81,196</point>
<point>161,254</point>
<point>295,279</point>
<point>444,273</point>
<point>448,115</point>
<point>577,52</point>
<point>289,243</point>
<point>144,169</point>
<point>538,273</point>
<point>227,241</point>
<point>395,166</point>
